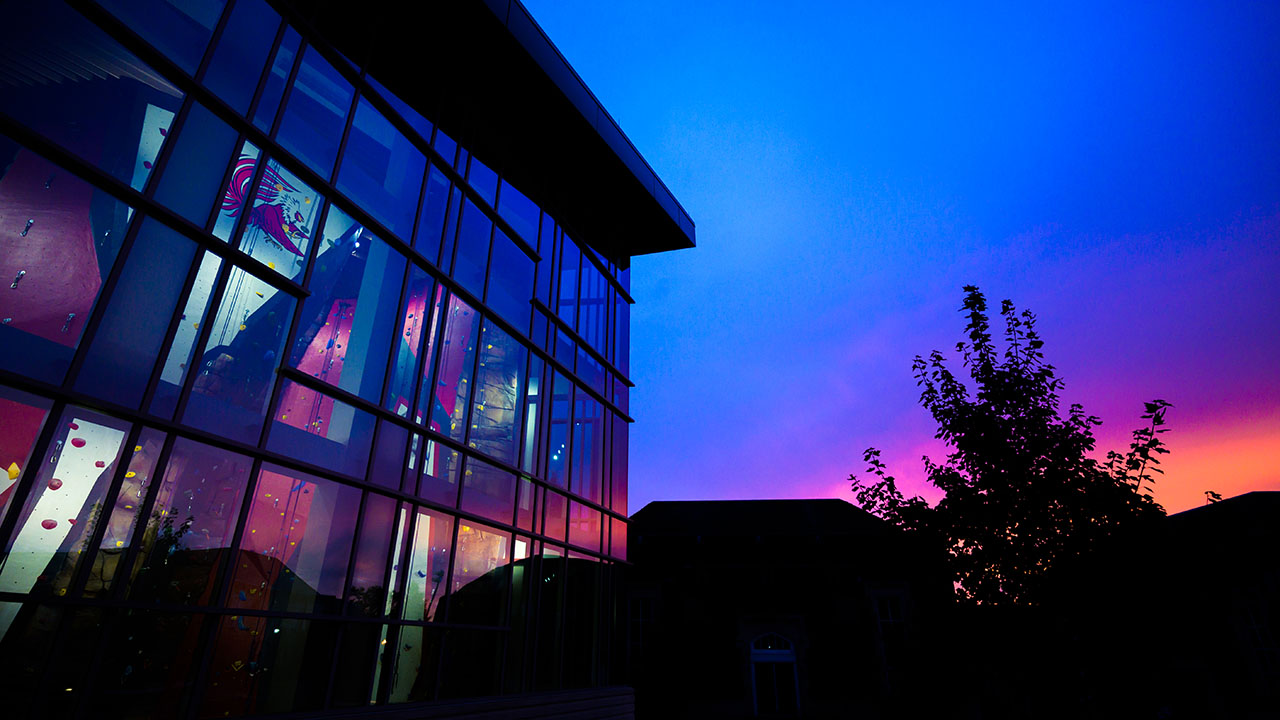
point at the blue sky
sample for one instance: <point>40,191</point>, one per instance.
<point>1114,167</point>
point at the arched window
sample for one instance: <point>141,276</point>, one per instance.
<point>775,688</point>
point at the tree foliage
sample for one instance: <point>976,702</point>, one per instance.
<point>1022,496</point>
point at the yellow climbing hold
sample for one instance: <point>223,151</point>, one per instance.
<point>272,266</point>
<point>14,471</point>
<point>130,474</point>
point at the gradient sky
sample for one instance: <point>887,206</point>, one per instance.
<point>1114,167</point>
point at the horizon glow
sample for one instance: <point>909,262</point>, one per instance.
<point>1111,167</point>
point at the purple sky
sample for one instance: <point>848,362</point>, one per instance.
<point>1113,167</point>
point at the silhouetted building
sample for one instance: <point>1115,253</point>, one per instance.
<point>776,608</point>
<point>314,381</point>
<point>1220,607</point>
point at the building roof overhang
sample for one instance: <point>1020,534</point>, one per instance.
<point>488,76</point>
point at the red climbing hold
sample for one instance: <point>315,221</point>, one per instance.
<point>54,483</point>
<point>49,524</point>
<point>78,442</point>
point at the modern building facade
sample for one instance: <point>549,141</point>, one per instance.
<point>314,380</point>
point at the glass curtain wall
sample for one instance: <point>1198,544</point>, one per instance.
<point>299,399</point>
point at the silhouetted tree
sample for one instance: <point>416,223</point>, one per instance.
<point>1022,496</point>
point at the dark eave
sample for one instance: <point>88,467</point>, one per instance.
<point>488,76</point>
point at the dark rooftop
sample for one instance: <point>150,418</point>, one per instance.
<point>488,76</point>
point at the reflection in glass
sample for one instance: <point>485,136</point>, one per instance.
<point>510,281</point>
<point>64,78</point>
<point>488,491</point>
<point>189,185</point>
<point>525,508</point>
<point>593,306</point>
<point>118,534</point>
<point>417,664</point>
<point>295,544</point>
<point>263,665</point>
<point>558,432</point>
<point>520,213</point>
<point>421,298</point>
<point>532,414</point>
<point>191,524</point>
<point>180,30</point>
<point>473,249</point>
<point>483,180</point>
<point>183,346</point>
<point>64,506</point>
<point>273,90</point>
<point>428,564</point>
<point>381,170</point>
<point>570,260</point>
<point>618,469</point>
<point>24,416</point>
<point>435,202</point>
<point>557,514</point>
<point>61,238</point>
<point>495,411</point>
<point>242,49</point>
<point>440,465</point>
<point>311,126</point>
<point>132,329</point>
<point>388,456</point>
<point>479,588</point>
<point>230,395</point>
<point>313,427</point>
<point>346,326</point>
<point>452,390</point>
<point>584,526</point>
<point>618,539</point>
<point>622,336</point>
<point>367,593</point>
<point>588,448</point>
<point>411,116</point>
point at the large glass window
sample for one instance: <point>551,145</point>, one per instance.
<point>74,85</point>
<point>182,348</point>
<point>435,203</point>
<point>313,427</point>
<point>584,526</point>
<point>588,447</point>
<point>282,214</point>
<point>242,50</point>
<point>510,281</point>
<point>488,491</point>
<point>61,240</point>
<point>618,466</point>
<point>422,299</point>
<point>558,432</point>
<point>367,593</point>
<point>473,249</point>
<point>181,30</point>
<point>132,330</point>
<point>63,507</point>
<point>295,544</point>
<point>520,213</point>
<point>117,536</point>
<point>428,565</point>
<point>440,468</point>
<point>347,323</point>
<point>483,180</point>
<point>24,416</point>
<point>495,411</point>
<point>570,262</point>
<point>593,306</point>
<point>316,113</point>
<point>189,185</point>
<point>382,170</point>
<point>230,395</point>
<point>273,90</point>
<point>479,589</point>
<point>411,116</point>
<point>191,525</point>
<point>449,399</point>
